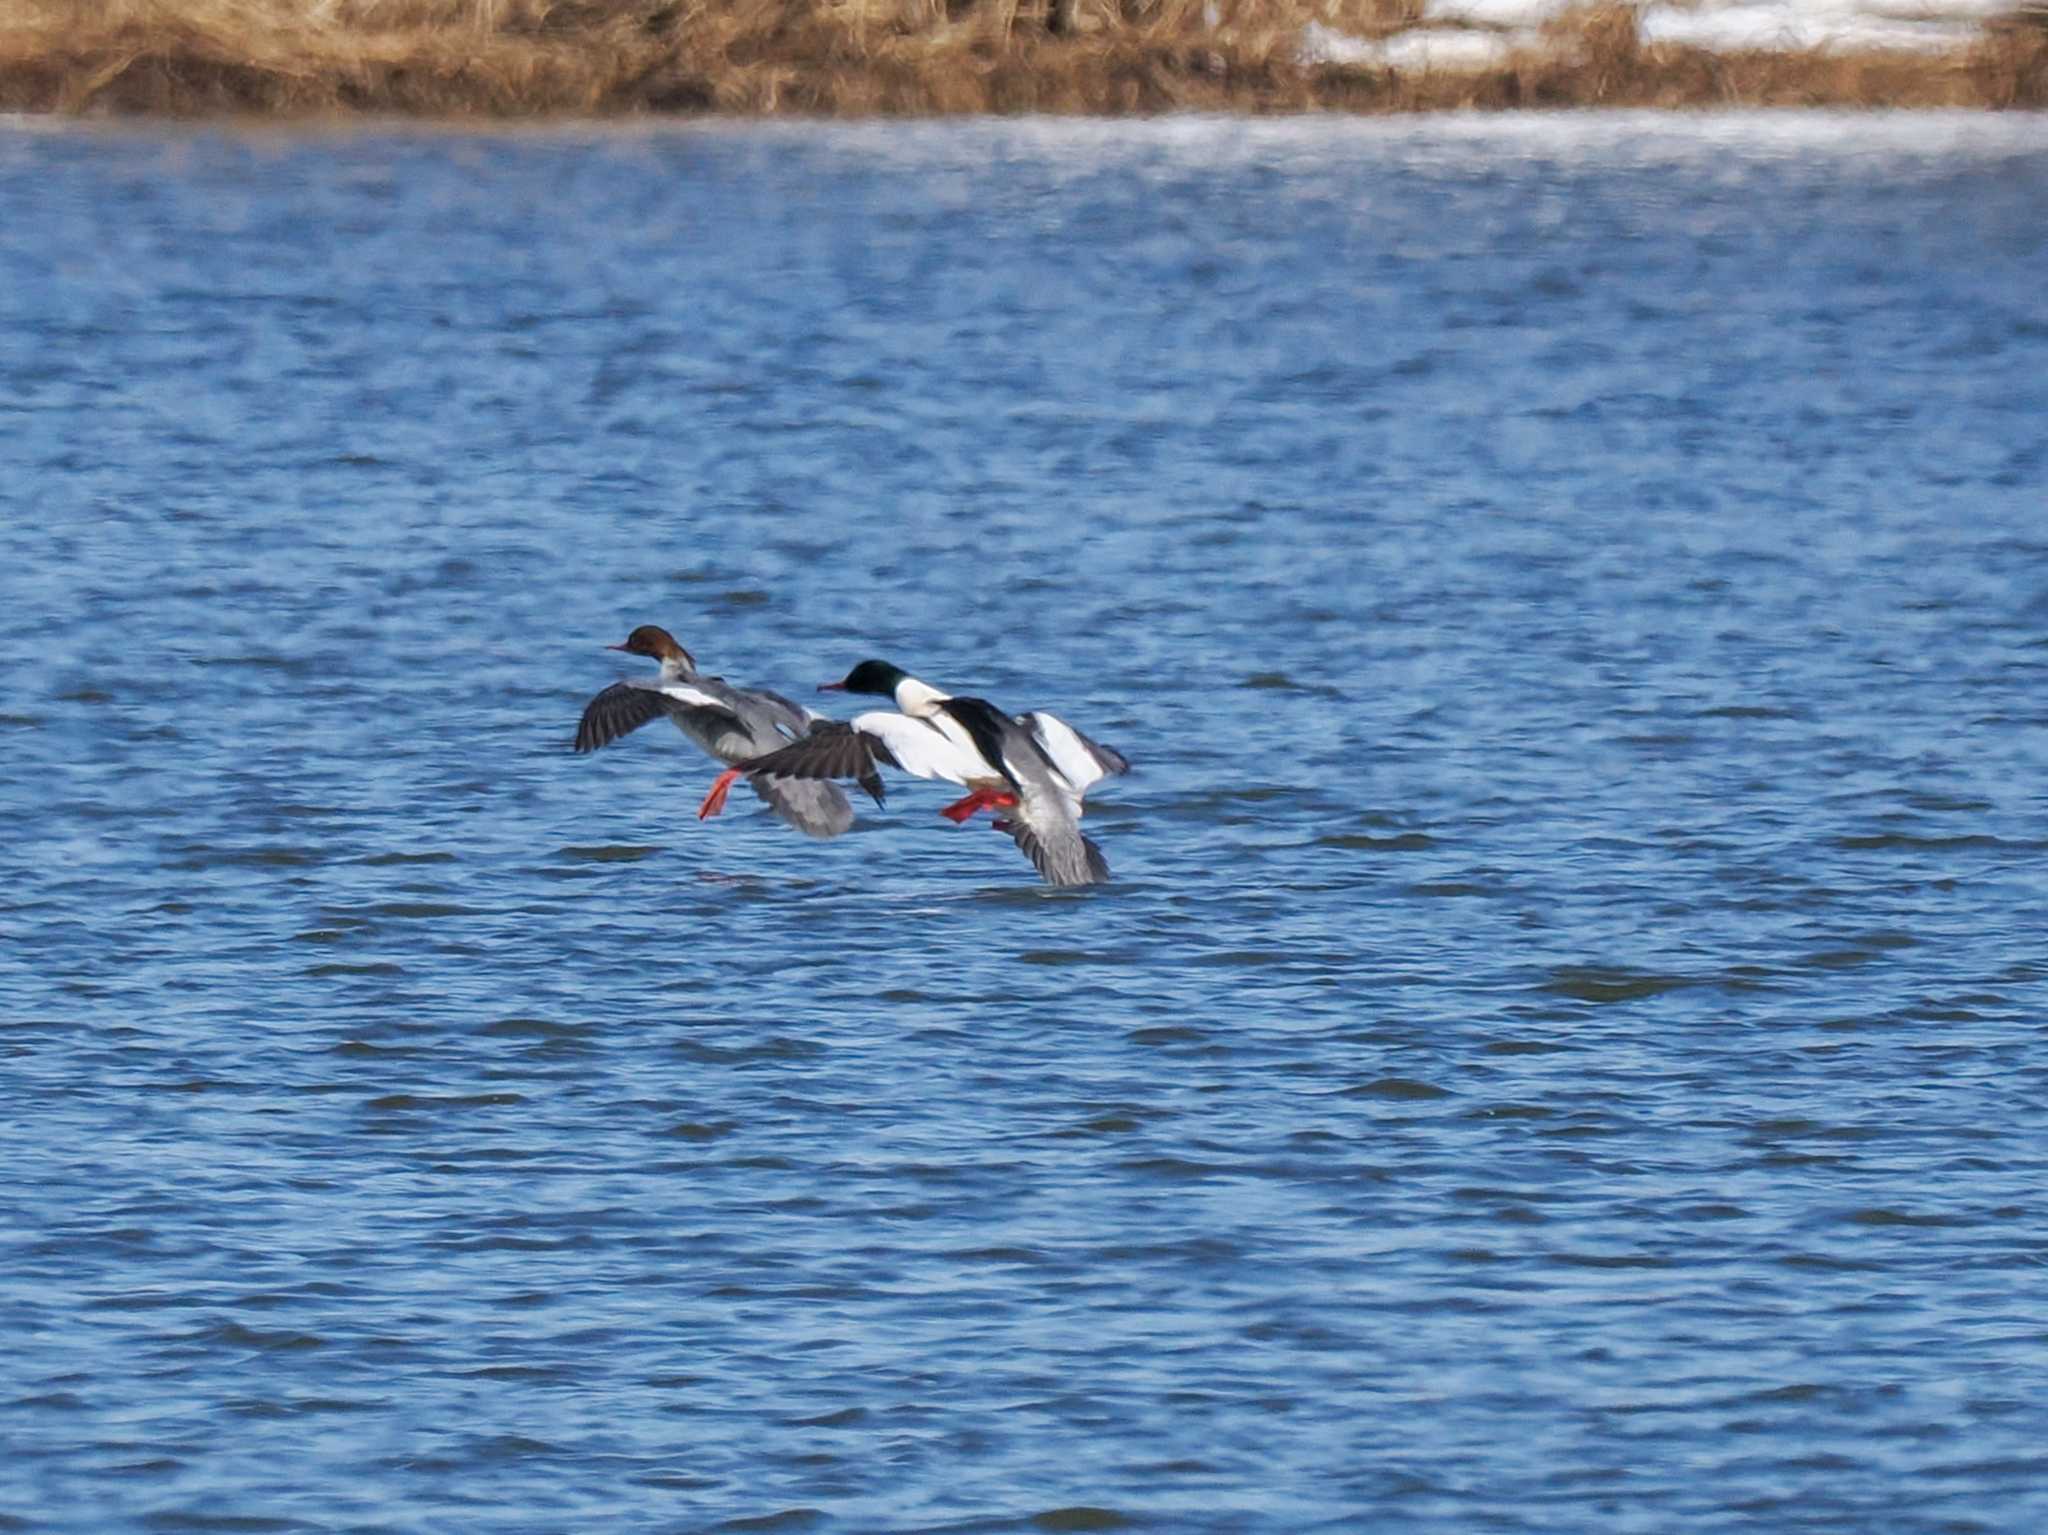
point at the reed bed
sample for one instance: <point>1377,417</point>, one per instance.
<point>608,58</point>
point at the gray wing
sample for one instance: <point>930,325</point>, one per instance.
<point>812,806</point>
<point>831,750</point>
<point>790,721</point>
<point>733,724</point>
<point>1050,779</point>
<point>1061,853</point>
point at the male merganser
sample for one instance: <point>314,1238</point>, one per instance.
<point>1036,764</point>
<point>732,724</point>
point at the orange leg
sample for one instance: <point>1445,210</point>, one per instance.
<point>962,810</point>
<point>715,800</point>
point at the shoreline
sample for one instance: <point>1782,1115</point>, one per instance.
<point>506,60</point>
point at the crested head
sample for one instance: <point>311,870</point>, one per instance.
<point>653,640</point>
<point>870,677</point>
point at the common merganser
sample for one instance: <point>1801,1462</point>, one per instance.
<point>732,724</point>
<point>1036,765</point>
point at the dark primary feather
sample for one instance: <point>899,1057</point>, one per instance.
<point>618,711</point>
<point>1114,763</point>
<point>624,707</point>
<point>833,749</point>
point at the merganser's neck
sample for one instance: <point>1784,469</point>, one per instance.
<point>919,700</point>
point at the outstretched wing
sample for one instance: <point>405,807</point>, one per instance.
<point>830,750</point>
<point>624,707</point>
<point>618,711</point>
<point>1079,760</point>
<point>857,747</point>
<point>1057,848</point>
<point>1049,766</point>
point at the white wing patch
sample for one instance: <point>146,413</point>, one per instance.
<point>921,750</point>
<point>689,693</point>
<point>1078,760</point>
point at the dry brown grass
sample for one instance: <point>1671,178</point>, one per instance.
<point>504,58</point>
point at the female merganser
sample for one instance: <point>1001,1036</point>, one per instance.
<point>732,724</point>
<point>1036,765</point>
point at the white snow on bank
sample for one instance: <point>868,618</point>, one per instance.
<point>1495,13</point>
<point>1533,13</point>
<point>1420,49</point>
<point>1793,26</point>
<point>1480,34</point>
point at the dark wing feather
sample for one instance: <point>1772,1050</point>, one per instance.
<point>831,750</point>
<point>1112,762</point>
<point>624,707</point>
<point>870,780</point>
<point>1115,762</point>
<point>618,711</point>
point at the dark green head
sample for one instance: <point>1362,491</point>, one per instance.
<point>868,677</point>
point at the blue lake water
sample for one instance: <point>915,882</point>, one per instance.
<point>1566,1047</point>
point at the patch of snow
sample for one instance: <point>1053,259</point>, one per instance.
<point>1326,45</point>
<point>1479,34</point>
<point>1418,50</point>
<point>1915,25</point>
<point>1533,13</point>
<point>1496,13</point>
<point>1799,25</point>
<point>1934,10</point>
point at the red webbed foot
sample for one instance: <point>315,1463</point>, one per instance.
<point>715,800</point>
<point>963,810</point>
